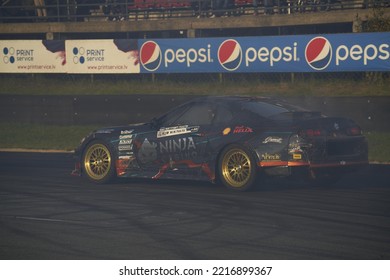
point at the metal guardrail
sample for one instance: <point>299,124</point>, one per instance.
<point>112,10</point>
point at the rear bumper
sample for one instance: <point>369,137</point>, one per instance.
<point>310,170</point>
<point>341,163</point>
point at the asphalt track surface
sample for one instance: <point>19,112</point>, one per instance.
<point>47,214</point>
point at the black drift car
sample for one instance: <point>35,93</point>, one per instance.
<point>226,139</point>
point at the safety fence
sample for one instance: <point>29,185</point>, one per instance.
<point>72,10</point>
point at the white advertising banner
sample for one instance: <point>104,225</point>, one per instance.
<point>194,269</point>
<point>102,56</point>
<point>32,56</point>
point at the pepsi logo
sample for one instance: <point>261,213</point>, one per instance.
<point>230,54</point>
<point>318,53</point>
<point>150,55</point>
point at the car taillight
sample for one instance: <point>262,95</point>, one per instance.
<point>353,131</point>
<point>311,132</point>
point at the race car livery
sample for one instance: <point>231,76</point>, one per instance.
<point>231,140</point>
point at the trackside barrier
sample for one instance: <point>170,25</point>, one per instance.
<point>372,113</point>
<point>257,54</point>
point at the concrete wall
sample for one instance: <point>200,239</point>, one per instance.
<point>372,113</point>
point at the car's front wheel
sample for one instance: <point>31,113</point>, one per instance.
<point>98,162</point>
<point>237,168</point>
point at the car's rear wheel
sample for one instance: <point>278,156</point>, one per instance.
<point>236,167</point>
<point>98,162</point>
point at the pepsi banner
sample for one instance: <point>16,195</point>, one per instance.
<point>301,53</point>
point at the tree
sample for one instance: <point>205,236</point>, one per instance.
<point>379,21</point>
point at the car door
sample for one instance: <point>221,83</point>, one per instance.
<point>149,142</point>
<point>182,141</point>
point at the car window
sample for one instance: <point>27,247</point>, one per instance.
<point>173,115</point>
<point>197,114</point>
<point>223,115</point>
<point>264,109</point>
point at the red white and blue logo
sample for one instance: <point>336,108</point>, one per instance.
<point>150,55</point>
<point>318,53</point>
<point>230,54</point>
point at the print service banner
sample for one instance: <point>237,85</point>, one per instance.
<point>304,53</point>
<point>102,56</point>
<point>32,56</point>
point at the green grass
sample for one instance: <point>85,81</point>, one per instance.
<point>198,84</point>
<point>378,145</point>
<point>46,137</point>
<point>52,137</point>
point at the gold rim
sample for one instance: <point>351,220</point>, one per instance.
<point>97,161</point>
<point>236,168</point>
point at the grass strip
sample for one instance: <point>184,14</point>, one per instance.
<point>378,146</point>
<point>42,137</point>
<point>54,137</point>
<point>185,85</point>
